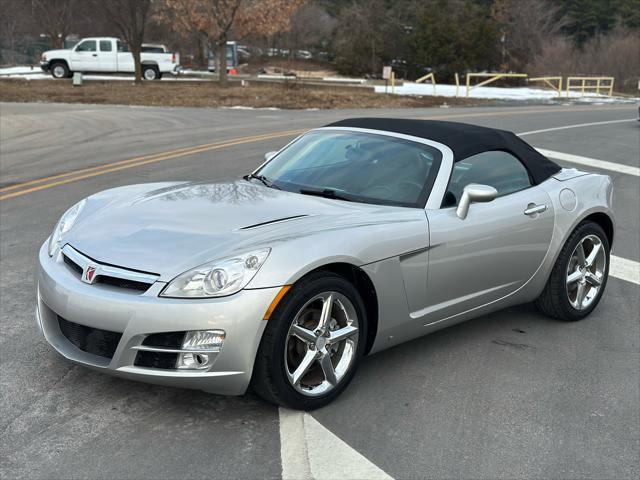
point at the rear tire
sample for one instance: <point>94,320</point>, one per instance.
<point>300,364</point>
<point>579,276</point>
<point>60,70</point>
<point>150,72</point>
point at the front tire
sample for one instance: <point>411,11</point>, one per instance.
<point>312,344</point>
<point>579,277</point>
<point>60,70</point>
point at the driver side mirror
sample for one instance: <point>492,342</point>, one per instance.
<point>269,155</point>
<point>474,193</point>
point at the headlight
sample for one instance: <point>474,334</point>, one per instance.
<point>63,226</point>
<point>218,278</point>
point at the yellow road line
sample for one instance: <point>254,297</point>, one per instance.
<point>179,151</point>
<point>83,173</point>
<point>140,161</point>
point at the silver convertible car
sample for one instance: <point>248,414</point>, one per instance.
<point>353,238</point>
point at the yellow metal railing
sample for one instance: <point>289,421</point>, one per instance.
<point>428,76</point>
<point>549,82</point>
<point>590,85</point>
<point>490,77</point>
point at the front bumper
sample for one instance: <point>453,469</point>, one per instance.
<point>61,293</point>
<point>45,66</point>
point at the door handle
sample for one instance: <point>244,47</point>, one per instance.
<point>94,55</point>
<point>535,209</point>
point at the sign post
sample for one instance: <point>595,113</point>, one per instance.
<point>386,74</point>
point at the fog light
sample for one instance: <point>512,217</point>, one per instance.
<point>202,346</point>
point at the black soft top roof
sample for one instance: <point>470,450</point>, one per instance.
<point>463,139</point>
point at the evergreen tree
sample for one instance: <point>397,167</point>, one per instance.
<point>451,37</point>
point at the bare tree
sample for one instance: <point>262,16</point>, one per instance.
<point>266,17</point>
<point>524,28</point>
<point>214,20</point>
<point>55,18</point>
<point>15,16</point>
<point>281,22</point>
<point>223,13</point>
<point>211,19</point>
<point>614,54</point>
<point>130,17</point>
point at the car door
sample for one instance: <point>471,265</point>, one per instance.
<point>106,56</point>
<point>499,245</point>
<point>84,56</point>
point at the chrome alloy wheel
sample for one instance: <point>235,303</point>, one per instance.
<point>585,272</point>
<point>321,344</point>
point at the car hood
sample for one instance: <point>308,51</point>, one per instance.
<point>176,227</point>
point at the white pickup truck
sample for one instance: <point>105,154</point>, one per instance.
<point>106,55</point>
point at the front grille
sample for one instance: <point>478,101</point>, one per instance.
<point>73,265</point>
<point>123,283</point>
<point>107,274</point>
<point>162,360</point>
<point>91,340</point>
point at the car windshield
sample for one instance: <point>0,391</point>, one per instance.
<point>356,166</point>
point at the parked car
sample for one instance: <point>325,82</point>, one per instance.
<point>243,54</point>
<point>106,55</point>
<point>353,238</point>
<point>304,54</point>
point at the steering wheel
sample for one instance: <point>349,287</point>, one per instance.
<point>412,184</point>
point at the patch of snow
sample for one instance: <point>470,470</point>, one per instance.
<point>343,79</point>
<point>276,77</point>
<point>500,93</point>
<point>242,107</point>
<point>23,69</point>
<point>191,70</point>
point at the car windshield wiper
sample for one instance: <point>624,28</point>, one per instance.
<point>263,179</point>
<point>326,193</point>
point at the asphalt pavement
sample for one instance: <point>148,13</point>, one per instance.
<point>509,395</point>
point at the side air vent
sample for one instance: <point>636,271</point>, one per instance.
<point>91,340</point>
<point>278,220</point>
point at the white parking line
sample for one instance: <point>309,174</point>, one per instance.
<point>625,269</point>
<point>310,451</point>
<point>591,162</point>
<point>579,125</point>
